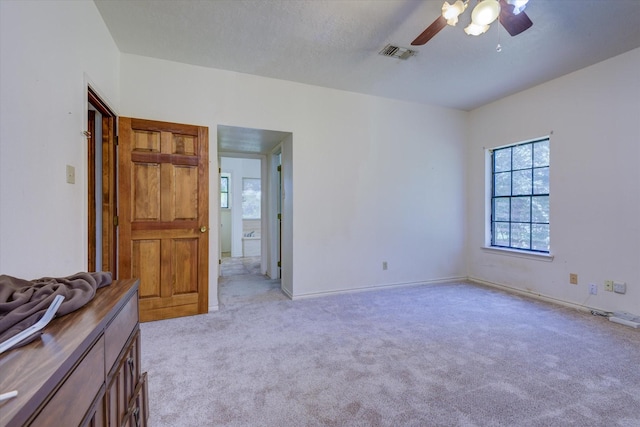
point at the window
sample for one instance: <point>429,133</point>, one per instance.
<point>520,196</point>
<point>224,192</point>
<point>251,196</point>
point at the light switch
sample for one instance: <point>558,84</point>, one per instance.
<point>71,174</point>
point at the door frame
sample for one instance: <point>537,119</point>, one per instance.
<point>275,211</point>
<point>286,270</point>
<point>109,188</point>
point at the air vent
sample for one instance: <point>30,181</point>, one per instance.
<point>397,52</point>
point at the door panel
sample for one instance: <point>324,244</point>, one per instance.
<point>164,215</point>
<point>146,192</point>
<point>146,264</point>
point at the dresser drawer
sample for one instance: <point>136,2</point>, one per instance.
<point>119,331</point>
<point>123,382</point>
<point>65,408</point>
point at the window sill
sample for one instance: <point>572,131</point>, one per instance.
<point>518,254</point>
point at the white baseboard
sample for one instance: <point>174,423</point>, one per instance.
<point>287,293</point>
<point>443,280</point>
<point>530,294</point>
<point>213,308</point>
<point>377,287</point>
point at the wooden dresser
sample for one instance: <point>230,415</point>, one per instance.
<point>84,370</point>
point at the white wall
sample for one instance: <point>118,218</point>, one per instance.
<point>594,183</point>
<point>50,52</point>
<point>373,179</point>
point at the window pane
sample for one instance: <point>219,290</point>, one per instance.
<point>502,160</point>
<point>541,153</point>
<point>522,156</point>
<point>501,234</point>
<point>541,181</point>
<point>520,196</point>
<point>540,209</point>
<point>251,196</point>
<point>540,237</point>
<point>224,184</point>
<point>224,200</point>
<point>522,182</point>
<point>502,184</point>
<point>501,209</point>
<point>520,235</point>
<point>520,209</point>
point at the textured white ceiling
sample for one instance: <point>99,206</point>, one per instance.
<point>232,139</point>
<point>335,43</point>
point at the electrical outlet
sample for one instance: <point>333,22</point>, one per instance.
<point>608,285</point>
<point>573,278</point>
<point>384,265</point>
<point>593,289</point>
<point>619,288</point>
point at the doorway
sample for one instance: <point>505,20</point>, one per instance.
<point>241,207</point>
<point>242,211</point>
<point>250,244</point>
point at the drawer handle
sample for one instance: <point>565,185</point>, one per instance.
<point>136,415</point>
<point>131,364</point>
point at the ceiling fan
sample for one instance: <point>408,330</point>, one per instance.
<point>509,12</point>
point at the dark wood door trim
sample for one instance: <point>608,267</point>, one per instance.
<point>109,197</point>
<point>91,189</point>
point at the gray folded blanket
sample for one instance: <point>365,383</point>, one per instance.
<point>23,302</point>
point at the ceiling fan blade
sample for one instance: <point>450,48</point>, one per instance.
<point>431,31</point>
<point>514,24</point>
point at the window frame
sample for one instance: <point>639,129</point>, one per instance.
<point>225,177</point>
<point>531,222</point>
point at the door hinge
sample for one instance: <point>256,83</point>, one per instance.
<point>115,220</point>
<point>219,261</point>
<point>279,168</point>
<point>219,170</point>
<point>279,264</point>
<point>116,140</point>
<point>280,216</point>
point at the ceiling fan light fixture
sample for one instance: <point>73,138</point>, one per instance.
<point>474,29</point>
<point>485,12</point>
<point>450,12</point>
<point>518,5</point>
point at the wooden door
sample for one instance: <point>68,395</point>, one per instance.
<point>163,215</point>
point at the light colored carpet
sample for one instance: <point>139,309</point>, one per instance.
<point>238,290</point>
<point>433,355</point>
<point>239,266</point>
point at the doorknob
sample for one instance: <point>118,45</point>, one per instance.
<point>203,229</point>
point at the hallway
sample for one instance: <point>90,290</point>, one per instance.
<point>241,283</point>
